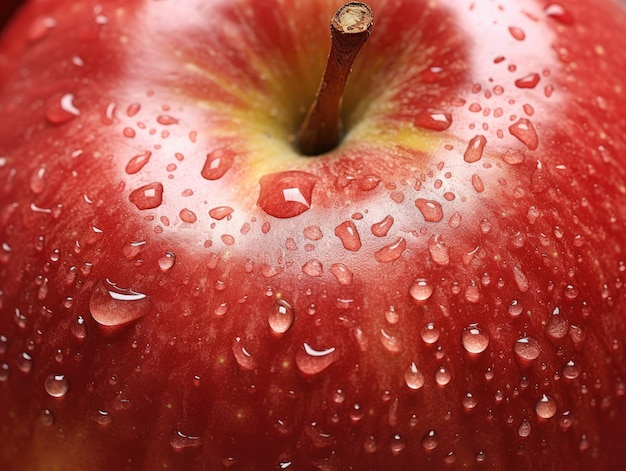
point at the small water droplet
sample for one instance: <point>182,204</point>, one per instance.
<point>475,149</point>
<point>46,418</point>
<point>571,370</point>
<point>60,109</point>
<point>515,308</point>
<point>38,180</point>
<point>5,372</point>
<point>101,417</point>
<point>527,349</point>
<point>517,33</point>
<point>397,445</point>
<point>24,362</point>
<point>474,339</point>
<point>413,377</point>
<point>545,407</point>
<point>431,210</point>
<point>166,120</point>
<point>559,13</point>
<point>111,305</point>
<point>243,357</point>
<point>430,440</point>
<point>442,376</point>
<point>312,362</point>
<point>529,81</point>
<point>433,120</point>
<point>438,250</point>
<point>313,268</point>
<point>469,401</point>
<point>521,280</point>
<point>180,441</point>
<point>524,130</point>
<point>78,328</point>
<point>391,252</point>
<point>188,216</point>
<point>557,326</point>
<point>281,317</point>
<point>148,196</point>
<point>167,261</point>
<point>380,229</point>
<point>369,445</point>
<point>524,428</point>
<point>390,342</point>
<point>217,163</point>
<point>56,385</point>
<point>138,162</point>
<point>342,273</point>
<point>430,333</point>
<point>421,289</point>
<point>286,194</point>
<point>221,212</point>
<point>349,236</point>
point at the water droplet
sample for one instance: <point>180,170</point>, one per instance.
<point>349,236</point>
<point>475,340</point>
<point>524,428</point>
<point>570,292</point>
<point>529,81</point>
<point>557,326</point>
<point>571,370</point>
<point>430,333</point>
<point>281,317</point>
<point>342,273</point>
<point>38,180</point>
<point>243,357</point>
<point>313,233</point>
<point>527,349</point>
<point>559,13</point>
<point>517,33</point>
<point>111,305</point>
<point>430,441</point>
<point>78,328</point>
<point>56,385</point>
<point>311,361</point>
<point>391,252</point>
<point>421,289</point>
<point>438,250</point>
<point>469,401</point>
<point>545,407</point>
<point>188,216</point>
<point>46,418</point>
<point>5,372</point>
<point>524,130</point>
<point>313,268</point>
<point>24,362</point>
<point>475,149</point>
<point>431,210</point>
<point>286,194</point>
<point>167,261</point>
<point>166,120</point>
<point>521,280</point>
<point>380,229</point>
<point>148,196</point>
<point>442,376</point>
<point>138,162</point>
<point>433,120</point>
<point>515,309</point>
<point>413,377</point>
<point>61,109</point>
<point>369,445</point>
<point>180,441</point>
<point>390,342</point>
<point>221,212</point>
<point>217,163</point>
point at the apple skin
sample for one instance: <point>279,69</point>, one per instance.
<point>179,289</point>
<point>7,8</point>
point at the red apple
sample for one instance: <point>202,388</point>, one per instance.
<point>181,289</point>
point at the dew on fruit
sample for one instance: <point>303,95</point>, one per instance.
<point>570,370</point>
<point>521,280</point>
<point>438,250</point>
<point>166,120</point>
<point>570,292</point>
<point>515,308</point>
<point>167,261</point>
<point>413,377</point>
<point>243,357</point>
<point>78,328</point>
<point>5,372</point>
<point>311,362</point>
<point>380,229</point>
<point>221,212</point>
<point>313,233</point>
<point>391,252</point>
<point>101,417</point>
<point>526,349</point>
<point>46,418</point>
<point>369,445</point>
<point>442,376</point>
<point>430,333</point>
<point>38,180</point>
<point>525,132</point>
<point>188,216</point>
<point>56,385</point>
<point>342,273</point>
<point>313,268</point>
<point>557,326</point>
<point>397,445</point>
<point>475,149</point>
<point>477,183</point>
<point>474,339</point>
<point>217,163</point>
<point>517,33</point>
<point>179,441</point>
<point>4,341</point>
<point>391,343</point>
<point>433,120</point>
<point>24,362</point>
<point>349,236</point>
<point>281,317</point>
<point>148,196</point>
<point>430,441</point>
<point>111,305</point>
<point>421,289</point>
<point>431,210</point>
<point>524,428</point>
<point>545,407</point>
<point>61,110</point>
<point>558,13</point>
<point>528,81</point>
<point>138,162</point>
<point>286,194</point>
<point>469,401</point>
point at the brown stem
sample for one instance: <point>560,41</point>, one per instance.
<point>321,130</point>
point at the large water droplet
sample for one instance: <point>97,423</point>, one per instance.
<point>342,273</point>
<point>524,130</point>
<point>474,339</point>
<point>311,361</point>
<point>527,349</point>
<point>529,81</point>
<point>391,252</point>
<point>421,289</point>
<point>413,377</point>
<point>138,162</point>
<point>281,317</point>
<point>380,229</point>
<point>349,236</point>
<point>56,385</point>
<point>475,149</point>
<point>217,163</point>
<point>111,305</point>
<point>61,109</point>
<point>148,196</point>
<point>433,120</point>
<point>431,210</point>
<point>286,194</point>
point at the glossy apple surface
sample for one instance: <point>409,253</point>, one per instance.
<point>180,289</point>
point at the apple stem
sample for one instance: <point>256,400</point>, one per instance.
<point>350,28</point>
